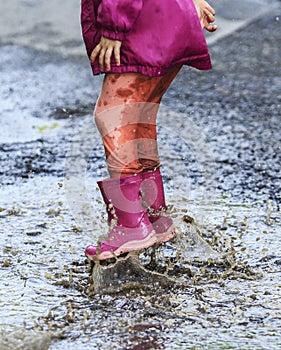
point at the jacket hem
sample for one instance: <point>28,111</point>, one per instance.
<point>201,63</point>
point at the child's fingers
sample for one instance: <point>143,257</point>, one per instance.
<point>210,8</point>
<point>117,54</point>
<point>107,57</point>
<point>95,52</point>
<point>210,27</point>
<point>209,15</point>
<point>104,52</point>
<point>208,20</point>
<point>101,58</point>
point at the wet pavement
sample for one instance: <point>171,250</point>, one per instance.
<point>218,285</point>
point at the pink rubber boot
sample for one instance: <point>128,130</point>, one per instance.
<point>153,194</point>
<point>133,230</point>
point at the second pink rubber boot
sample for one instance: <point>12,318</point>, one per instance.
<point>153,194</point>
<point>133,230</point>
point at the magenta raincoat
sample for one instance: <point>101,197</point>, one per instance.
<point>155,35</point>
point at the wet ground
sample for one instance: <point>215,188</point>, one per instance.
<point>218,285</point>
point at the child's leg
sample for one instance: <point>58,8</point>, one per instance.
<point>152,188</point>
<point>126,118</point>
<point>146,132</point>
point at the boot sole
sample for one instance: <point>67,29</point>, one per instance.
<point>130,246</point>
<point>166,236</point>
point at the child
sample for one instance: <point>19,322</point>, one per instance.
<point>140,45</point>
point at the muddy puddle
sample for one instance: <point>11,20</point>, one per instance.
<point>216,286</point>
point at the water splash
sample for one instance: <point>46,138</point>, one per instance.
<point>157,266</point>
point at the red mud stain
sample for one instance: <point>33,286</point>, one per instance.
<point>139,80</point>
<point>123,92</point>
<point>114,78</point>
<point>99,103</point>
<point>105,103</point>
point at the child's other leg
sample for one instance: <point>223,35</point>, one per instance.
<point>146,131</point>
<point>152,186</point>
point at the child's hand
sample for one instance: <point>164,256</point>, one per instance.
<point>104,50</point>
<point>206,15</point>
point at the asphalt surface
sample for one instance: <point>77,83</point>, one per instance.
<point>219,133</point>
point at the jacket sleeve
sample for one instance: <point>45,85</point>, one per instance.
<point>87,24</point>
<point>117,17</point>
